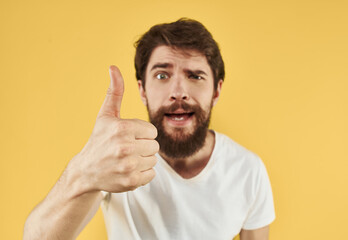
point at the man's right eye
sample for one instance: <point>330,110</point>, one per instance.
<point>161,76</point>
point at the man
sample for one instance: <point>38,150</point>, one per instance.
<point>206,185</point>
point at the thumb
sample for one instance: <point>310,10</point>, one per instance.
<point>112,103</point>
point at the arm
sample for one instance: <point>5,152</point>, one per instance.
<point>118,157</point>
<point>62,214</point>
<point>255,234</point>
<point>262,210</point>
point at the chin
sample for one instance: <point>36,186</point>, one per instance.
<point>179,134</point>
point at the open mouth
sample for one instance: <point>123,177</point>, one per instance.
<point>179,116</point>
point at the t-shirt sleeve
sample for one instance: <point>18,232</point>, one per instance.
<point>261,212</point>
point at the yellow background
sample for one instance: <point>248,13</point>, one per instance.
<point>284,97</point>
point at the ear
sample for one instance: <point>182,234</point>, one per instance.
<point>217,92</point>
<point>142,92</point>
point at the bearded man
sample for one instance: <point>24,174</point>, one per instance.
<point>174,178</point>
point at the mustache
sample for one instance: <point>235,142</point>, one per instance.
<point>178,105</point>
<point>179,143</point>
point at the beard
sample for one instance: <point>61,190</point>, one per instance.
<point>179,143</point>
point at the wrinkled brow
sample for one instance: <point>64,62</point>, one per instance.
<point>169,65</point>
<point>195,72</point>
<point>162,65</point>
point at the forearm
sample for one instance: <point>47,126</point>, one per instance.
<point>61,213</point>
<point>256,234</point>
<point>118,157</point>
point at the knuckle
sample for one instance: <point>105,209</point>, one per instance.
<point>126,167</point>
<point>132,181</point>
<point>122,126</point>
<point>124,150</point>
<point>109,91</point>
<point>112,92</point>
<point>129,166</point>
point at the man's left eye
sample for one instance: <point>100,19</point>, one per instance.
<point>196,77</point>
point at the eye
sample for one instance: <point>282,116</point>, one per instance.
<point>161,76</point>
<point>196,77</point>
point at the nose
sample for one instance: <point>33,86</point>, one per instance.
<point>178,90</point>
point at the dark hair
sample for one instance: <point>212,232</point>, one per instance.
<point>185,34</point>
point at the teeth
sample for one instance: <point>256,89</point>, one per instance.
<point>178,118</point>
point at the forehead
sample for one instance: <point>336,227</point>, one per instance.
<point>178,58</point>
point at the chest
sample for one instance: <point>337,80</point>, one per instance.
<point>176,210</point>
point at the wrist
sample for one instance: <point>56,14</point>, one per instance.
<point>74,179</point>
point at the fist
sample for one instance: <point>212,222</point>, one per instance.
<point>120,154</point>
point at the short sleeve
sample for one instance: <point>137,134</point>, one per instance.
<point>261,212</point>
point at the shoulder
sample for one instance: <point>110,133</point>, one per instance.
<point>244,168</point>
<point>238,164</point>
<point>235,154</point>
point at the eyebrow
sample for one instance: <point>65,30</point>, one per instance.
<point>169,65</point>
<point>162,65</point>
<point>196,72</point>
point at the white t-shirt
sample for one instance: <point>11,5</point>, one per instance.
<point>231,193</point>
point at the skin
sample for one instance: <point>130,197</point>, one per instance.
<point>174,75</point>
<point>118,157</point>
<point>255,234</point>
<point>120,153</point>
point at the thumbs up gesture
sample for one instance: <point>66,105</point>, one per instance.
<point>120,154</point>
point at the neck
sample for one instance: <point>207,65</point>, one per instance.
<point>193,165</point>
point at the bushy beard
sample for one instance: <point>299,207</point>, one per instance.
<point>179,144</point>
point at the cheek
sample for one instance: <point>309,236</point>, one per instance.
<point>203,97</point>
<point>153,100</point>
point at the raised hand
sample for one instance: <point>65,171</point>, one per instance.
<point>120,154</point>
